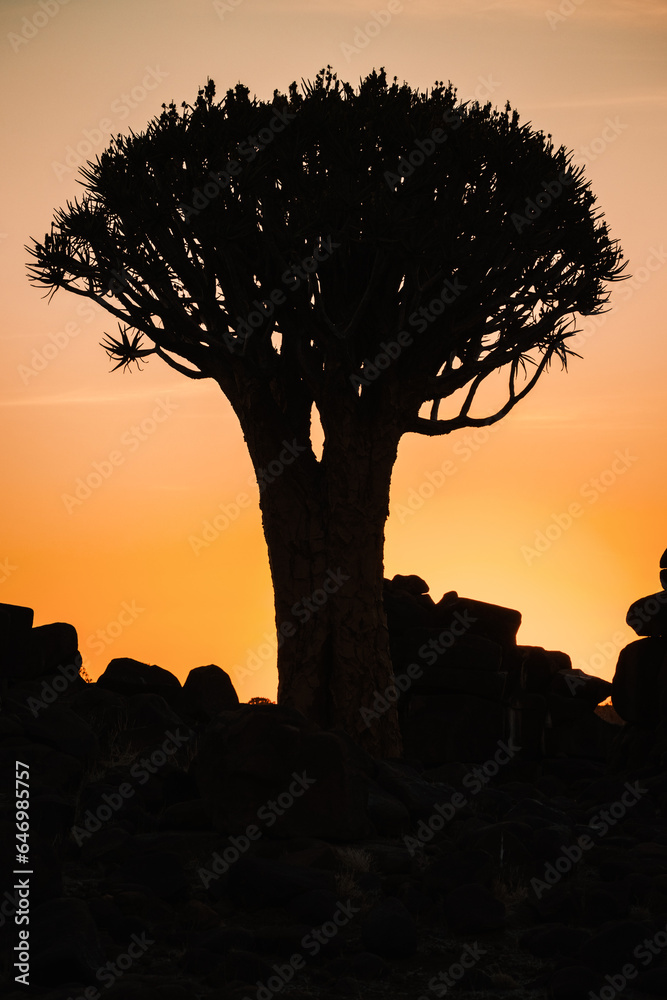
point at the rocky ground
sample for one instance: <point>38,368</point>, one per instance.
<point>184,846</point>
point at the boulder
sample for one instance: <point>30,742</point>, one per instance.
<point>15,625</point>
<point>162,873</point>
<point>127,676</point>
<point>472,908</point>
<point>63,730</point>
<point>663,570</point>
<point>389,930</point>
<point>648,615</point>
<point>549,941</point>
<point>269,766</point>
<point>387,813</point>
<point>613,945</point>
<point>15,620</point>
<point>574,982</point>
<point>479,618</point>
<point>438,729</point>
<point>151,721</point>
<point>209,690</point>
<point>39,651</point>
<point>410,584</point>
<point>639,680</point>
<point>404,783</point>
<point>575,685</point>
<point>458,868</point>
<point>260,882</point>
<point>406,610</point>
<point>439,680</point>
<point>442,648</point>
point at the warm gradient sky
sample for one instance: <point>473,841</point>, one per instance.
<point>593,77</point>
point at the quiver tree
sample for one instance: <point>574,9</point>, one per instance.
<point>369,258</point>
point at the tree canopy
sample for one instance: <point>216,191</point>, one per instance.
<point>451,224</point>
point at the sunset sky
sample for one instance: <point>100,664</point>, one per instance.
<point>126,565</point>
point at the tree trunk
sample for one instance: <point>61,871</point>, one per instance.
<point>324,527</point>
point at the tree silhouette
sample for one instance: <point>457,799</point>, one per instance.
<point>358,255</point>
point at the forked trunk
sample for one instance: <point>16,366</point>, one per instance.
<point>324,527</point>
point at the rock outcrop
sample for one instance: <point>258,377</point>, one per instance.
<point>466,684</point>
<point>639,687</point>
<point>182,844</point>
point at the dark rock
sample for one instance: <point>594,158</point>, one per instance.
<point>162,873</point>
<point>531,807</point>
<point>435,647</point>
<point>472,908</point>
<point>313,907</point>
<point>15,625</point>
<point>552,941</point>
<point>558,904</point>
<point>388,814</point>
<point>268,765</point>
<point>42,650</point>
<point>151,721</point>
<point>54,646</point>
<point>364,965</point>
<point>456,869</point>
<point>479,618</point>
<point>641,674</point>
<point>201,961</point>
<point>411,584</point>
<point>590,736</point>
<point>390,859</point>
<point>190,815</point>
<point>528,714</point>
<point>257,882</point>
<point>404,610</point>
<point>576,685</point>
<point>565,710</point>
<point>648,615</point>
<point>209,690</point>
<point>441,729</point>
<point>15,619</point>
<point>508,843</point>
<point>418,796</point>
<point>613,945</point>
<point>224,939</point>
<point>109,918</point>
<point>389,930</point>
<point>129,677</point>
<point>63,730</point>
<point>601,905</point>
<point>103,710</point>
<point>574,982</point>
<point>282,940</point>
<point>65,945</point>
<point>437,680</point>
<point>537,666</point>
<point>247,967</point>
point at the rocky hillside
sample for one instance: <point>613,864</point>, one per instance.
<point>167,842</point>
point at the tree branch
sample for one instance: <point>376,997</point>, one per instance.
<point>433,428</point>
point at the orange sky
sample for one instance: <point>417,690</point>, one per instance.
<point>121,565</point>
